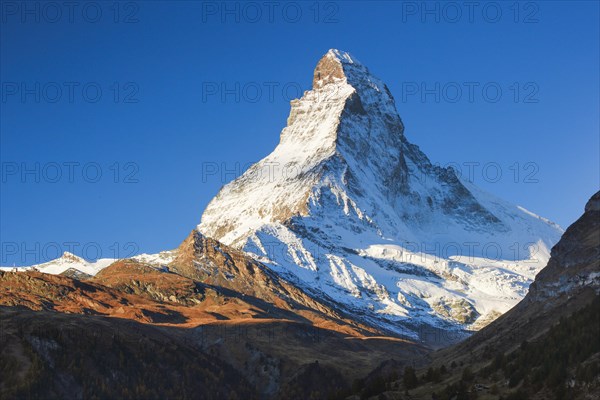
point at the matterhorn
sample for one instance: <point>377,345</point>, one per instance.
<point>351,211</point>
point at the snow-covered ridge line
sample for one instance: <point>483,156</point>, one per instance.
<point>65,262</point>
<point>70,261</point>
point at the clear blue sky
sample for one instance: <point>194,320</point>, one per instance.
<point>167,123</point>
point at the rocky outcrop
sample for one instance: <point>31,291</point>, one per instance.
<point>217,265</point>
<point>133,277</point>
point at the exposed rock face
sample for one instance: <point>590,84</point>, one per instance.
<point>457,310</point>
<point>328,70</point>
<point>347,208</point>
<point>133,277</point>
<point>76,274</point>
<point>40,291</point>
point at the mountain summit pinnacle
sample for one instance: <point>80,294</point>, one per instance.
<point>350,210</point>
<point>330,69</point>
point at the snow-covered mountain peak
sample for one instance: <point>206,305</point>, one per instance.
<point>342,56</point>
<point>344,138</point>
<point>71,258</point>
<point>349,208</point>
